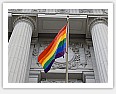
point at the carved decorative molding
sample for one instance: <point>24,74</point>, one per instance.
<point>34,10</point>
<point>38,10</point>
<point>85,10</point>
<point>59,11</point>
<point>15,10</point>
<point>105,11</point>
<point>62,11</point>
<point>41,10</point>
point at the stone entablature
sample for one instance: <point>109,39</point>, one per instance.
<point>61,11</point>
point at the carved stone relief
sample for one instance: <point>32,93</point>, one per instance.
<point>85,10</point>
<point>62,11</point>
<point>105,11</point>
<point>75,62</point>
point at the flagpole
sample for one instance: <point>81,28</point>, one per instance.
<point>67,44</point>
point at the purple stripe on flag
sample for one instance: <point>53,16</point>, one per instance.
<point>60,54</point>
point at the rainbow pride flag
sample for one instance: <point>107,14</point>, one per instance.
<point>56,49</point>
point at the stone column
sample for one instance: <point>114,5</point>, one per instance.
<point>99,32</point>
<point>18,49</point>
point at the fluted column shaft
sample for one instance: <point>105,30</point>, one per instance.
<point>99,32</point>
<point>18,51</point>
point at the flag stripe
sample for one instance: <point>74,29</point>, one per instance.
<point>61,46</point>
<point>53,47</point>
<point>47,68</point>
<point>49,61</point>
<point>56,49</point>
<point>62,42</point>
<point>52,50</point>
<point>62,31</point>
<point>60,54</point>
<point>59,49</point>
<point>54,57</point>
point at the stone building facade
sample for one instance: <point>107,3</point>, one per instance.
<point>31,30</point>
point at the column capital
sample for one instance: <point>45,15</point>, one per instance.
<point>96,21</point>
<point>25,19</point>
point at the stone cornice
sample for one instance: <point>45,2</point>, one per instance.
<point>61,11</point>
